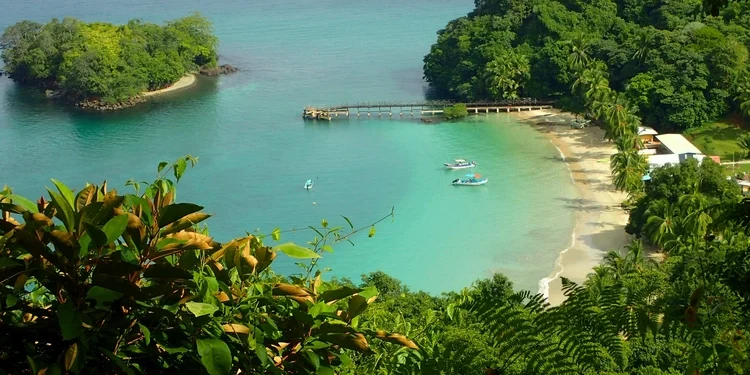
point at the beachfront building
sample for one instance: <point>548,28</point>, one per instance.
<point>676,144</point>
<point>647,135</point>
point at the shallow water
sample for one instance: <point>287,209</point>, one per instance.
<point>256,152</point>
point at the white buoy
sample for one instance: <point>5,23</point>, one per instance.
<point>314,203</point>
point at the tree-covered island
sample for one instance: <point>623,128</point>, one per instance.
<point>106,66</point>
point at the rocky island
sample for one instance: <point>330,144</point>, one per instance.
<point>102,66</point>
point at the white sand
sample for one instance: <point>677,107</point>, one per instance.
<point>600,222</point>
<point>182,83</point>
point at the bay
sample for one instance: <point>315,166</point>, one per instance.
<point>256,152</point>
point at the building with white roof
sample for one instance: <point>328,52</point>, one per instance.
<point>647,134</point>
<point>677,144</point>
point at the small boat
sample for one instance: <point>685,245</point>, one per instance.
<point>460,164</point>
<point>308,184</point>
<point>471,180</point>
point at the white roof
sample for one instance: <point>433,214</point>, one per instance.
<point>677,144</point>
<point>646,130</point>
<point>743,183</point>
<point>647,151</point>
<point>663,159</point>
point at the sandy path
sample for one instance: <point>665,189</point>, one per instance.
<point>600,222</point>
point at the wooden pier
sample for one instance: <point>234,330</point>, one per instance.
<point>426,108</point>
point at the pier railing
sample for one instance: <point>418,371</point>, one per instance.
<point>427,107</point>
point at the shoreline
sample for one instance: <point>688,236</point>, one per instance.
<point>185,82</point>
<point>599,220</point>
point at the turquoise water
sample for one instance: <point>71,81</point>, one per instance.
<point>256,152</point>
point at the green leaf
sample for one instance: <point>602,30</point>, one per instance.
<point>10,300</point>
<point>327,248</point>
<point>324,370</point>
<point>337,294</point>
<point>276,234</point>
<point>101,295</point>
<point>215,356</point>
<point>372,232</point>
<point>65,192</point>
<point>12,208</point>
<point>146,333</point>
<point>166,271</point>
<point>114,227</point>
<point>324,223</point>
<point>161,166</point>
<point>176,211</point>
<point>179,169</point>
<point>295,251</point>
<point>200,309</point>
<point>98,236</point>
<point>64,210</point>
<point>86,194</point>
<point>357,305</point>
<point>70,321</point>
<point>118,361</point>
<point>313,358</point>
<point>23,202</point>
<point>348,222</point>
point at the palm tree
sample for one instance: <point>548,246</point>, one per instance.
<point>598,281</point>
<point>628,168</point>
<point>744,142</point>
<point>579,52</point>
<point>695,218</point>
<point>662,223</point>
<point>619,115</point>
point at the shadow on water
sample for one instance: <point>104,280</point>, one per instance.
<point>30,100</point>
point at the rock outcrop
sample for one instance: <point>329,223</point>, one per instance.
<point>221,69</point>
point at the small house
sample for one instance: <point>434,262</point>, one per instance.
<point>647,135</point>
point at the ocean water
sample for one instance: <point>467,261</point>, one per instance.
<point>256,152</point>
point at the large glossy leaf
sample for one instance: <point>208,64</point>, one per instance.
<point>186,222</point>
<point>23,202</point>
<point>98,237</point>
<point>200,309</point>
<point>114,227</point>
<point>337,294</point>
<point>357,305</point>
<point>179,168</point>
<point>102,295</point>
<point>9,263</point>
<point>70,321</point>
<point>165,271</point>
<point>65,192</point>
<point>121,285</point>
<point>85,197</point>
<point>177,211</point>
<point>64,210</point>
<point>215,356</point>
<point>13,208</point>
<point>70,356</point>
<point>295,251</point>
<point>136,201</point>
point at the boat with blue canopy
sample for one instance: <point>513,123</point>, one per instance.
<point>460,164</point>
<point>471,180</point>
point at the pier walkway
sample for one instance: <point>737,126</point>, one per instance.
<point>426,108</point>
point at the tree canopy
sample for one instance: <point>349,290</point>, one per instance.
<point>679,67</point>
<point>103,61</point>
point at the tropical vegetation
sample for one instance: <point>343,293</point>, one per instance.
<point>100,281</point>
<point>455,111</point>
<point>101,61</point>
<point>676,65</point>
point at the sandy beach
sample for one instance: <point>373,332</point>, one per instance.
<point>600,222</point>
<point>182,83</point>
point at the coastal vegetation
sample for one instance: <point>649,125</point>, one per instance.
<point>455,111</point>
<point>675,65</point>
<point>97,280</point>
<point>104,63</point>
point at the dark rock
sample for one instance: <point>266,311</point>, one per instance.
<point>221,69</point>
<point>98,105</point>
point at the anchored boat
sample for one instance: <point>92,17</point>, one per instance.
<point>471,180</point>
<point>460,164</point>
<point>309,184</point>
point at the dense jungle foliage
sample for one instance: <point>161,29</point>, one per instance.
<point>678,65</point>
<point>103,61</point>
<point>97,281</point>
